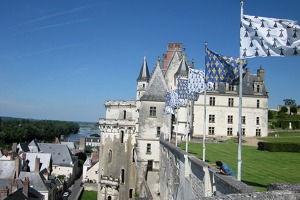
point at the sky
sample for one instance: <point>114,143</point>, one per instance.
<point>60,60</point>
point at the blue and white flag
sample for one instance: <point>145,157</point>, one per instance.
<point>222,68</point>
<point>168,109</point>
<point>262,37</point>
<point>197,81</point>
<point>183,90</point>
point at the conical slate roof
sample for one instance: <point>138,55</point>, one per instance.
<point>144,73</point>
<point>183,69</point>
<point>157,88</point>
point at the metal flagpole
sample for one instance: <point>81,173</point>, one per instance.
<point>176,125</point>
<point>187,126</point>
<point>204,115</point>
<point>170,128</point>
<point>240,110</point>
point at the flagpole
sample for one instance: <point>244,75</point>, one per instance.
<point>170,128</point>
<point>176,125</point>
<point>240,110</point>
<point>204,116</point>
<point>187,126</point>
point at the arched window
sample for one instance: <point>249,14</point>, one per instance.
<point>109,198</point>
<point>109,156</point>
<point>122,137</point>
<point>130,193</point>
<point>122,175</point>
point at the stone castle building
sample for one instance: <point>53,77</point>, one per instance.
<point>131,130</point>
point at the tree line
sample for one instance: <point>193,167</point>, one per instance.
<point>25,130</point>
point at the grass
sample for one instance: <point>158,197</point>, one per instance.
<point>259,168</point>
<point>293,137</point>
<point>89,195</point>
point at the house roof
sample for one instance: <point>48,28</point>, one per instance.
<point>183,69</point>
<point>61,154</point>
<point>36,180</point>
<point>7,169</point>
<point>92,139</point>
<point>71,145</point>
<point>45,160</point>
<point>18,194</point>
<point>157,88</point>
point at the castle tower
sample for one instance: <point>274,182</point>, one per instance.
<point>143,79</point>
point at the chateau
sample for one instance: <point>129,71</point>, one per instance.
<point>132,130</point>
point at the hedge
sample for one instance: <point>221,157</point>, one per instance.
<point>284,124</point>
<point>279,147</point>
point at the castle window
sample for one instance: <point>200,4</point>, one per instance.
<point>122,137</point>
<point>257,88</point>
<point>211,119</point>
<point>143,85</point>
<point>124,114</point>
<point>130,193</point>
<point>243,119</point>
<point>123,176</point>
<point>109,156</point>
<point>243,131</point>
<point>230,119</point>
<point>152,112</point>
<point>148,148</point>
<point>257,103</point>
<point>229,131</point>
<point>257,120</point>
<point>230,102</point>
<point>212,101</point>
<point>158,132</point>
<point>258,132</point>
<point>231,87</point>
<point>133,160</point>
<point>211,130</point>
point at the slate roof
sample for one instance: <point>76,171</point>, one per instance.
<point>32,195</point>
<point>36,180</point>
<point>70,145</point>
<point>7,169</point>
<point>183,69</point>
<point>61,154</point>
<point>45,160</point>
<point>144,73</point>
<point>157,88</point>
<point>22,147</point>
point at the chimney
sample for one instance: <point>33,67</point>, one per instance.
<point>37,165</point>
<point>62,137</point>
<point>23,158</point>
<point>261,74</point>
<point>26,186</point>
<point>14,185</point>
<point>18,166</point>
<point>14,147</point>
<point>247,75</point>
<point>56,140</point>
<point>4,192</point>
<point>95,157</point>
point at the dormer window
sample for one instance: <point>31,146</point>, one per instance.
<point>258,88</point>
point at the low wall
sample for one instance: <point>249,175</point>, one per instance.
<point>183,176</point>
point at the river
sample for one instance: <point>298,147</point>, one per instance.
<point>83,132</point>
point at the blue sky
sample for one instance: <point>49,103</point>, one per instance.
<point>62,59</point>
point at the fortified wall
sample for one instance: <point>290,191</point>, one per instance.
<point>183,176</point>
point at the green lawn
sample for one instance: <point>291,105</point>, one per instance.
<point>293,137</point>
<point>259,168</point>
<point>89,195</point>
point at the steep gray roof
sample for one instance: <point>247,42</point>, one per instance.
<point>157,88</point>
<point>71,145</point>
<point>7,169</point>
<point>36,180</point>
<point>183,69</point>
<point>144,73</point>
<point>32,195</point>
<point>45,160</point>
<point>61,154</point>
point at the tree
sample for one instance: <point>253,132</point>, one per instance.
<point>293,110</point>
<point>289,102</point>
<point>270,114</point>
<point>284,109</point>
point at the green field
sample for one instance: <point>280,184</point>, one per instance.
<point>89,195</point>
<point>259,168</point>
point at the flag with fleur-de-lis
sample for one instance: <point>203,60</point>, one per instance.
<point>220,68</point>
<point>168,109</point>
<point>183,90</point>
<point>196,81</point>
<point>262,37</point>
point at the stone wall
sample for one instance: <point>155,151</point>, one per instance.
<point>183,176</point>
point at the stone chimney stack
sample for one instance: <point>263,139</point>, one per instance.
<point>14,185</point>
<point>82,143</point>
<point>4,192</point>
<point>247,75</point>
<point>23,158</point>
<point>261,74</point>
<point>57,140</point>
<point>18,166</point>
<point>14,147</point>
<point>26,186</point>
<point>37,165</point>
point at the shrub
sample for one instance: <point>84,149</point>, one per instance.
<point>278,147</point>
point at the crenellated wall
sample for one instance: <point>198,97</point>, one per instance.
<point>183,176</point>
